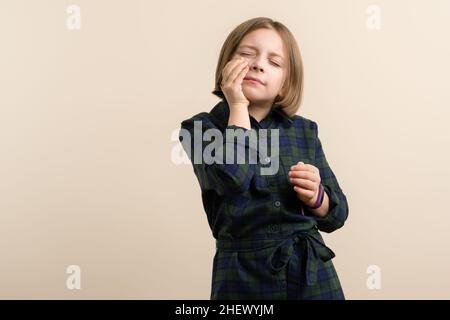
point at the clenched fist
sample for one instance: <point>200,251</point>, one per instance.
<point>306,181</point>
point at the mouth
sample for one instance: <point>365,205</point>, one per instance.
<point>253,80</point>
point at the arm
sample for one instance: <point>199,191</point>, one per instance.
<point>224,178</point>
<point>239,116</point>
<point>334,211</point>
<point>322,211</point>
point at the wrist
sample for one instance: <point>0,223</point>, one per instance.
<point>239,116</point>
<point>319,199</point>
<point>239,106</point>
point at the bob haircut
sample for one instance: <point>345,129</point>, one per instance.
<point>293,85</point>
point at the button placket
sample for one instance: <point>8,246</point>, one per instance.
<point>275,228</point>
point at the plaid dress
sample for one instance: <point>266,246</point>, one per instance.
<point>268,244</point>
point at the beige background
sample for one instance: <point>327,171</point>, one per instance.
<point>86,118</point>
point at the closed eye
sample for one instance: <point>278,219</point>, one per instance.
<point>249,54</point>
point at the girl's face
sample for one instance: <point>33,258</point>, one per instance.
<point>265,52</point>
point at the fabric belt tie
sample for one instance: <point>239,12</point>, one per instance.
<point>310,249</point>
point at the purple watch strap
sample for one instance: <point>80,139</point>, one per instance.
<point>319,198</point>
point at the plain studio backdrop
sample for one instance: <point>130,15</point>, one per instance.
<point>87,118</point>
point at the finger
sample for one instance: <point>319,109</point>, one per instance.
<point>227,72</point>
<point>229,67</point>
<point>307,193</point>
<point>242,74</point>
<point>303,183</point>
<point>311,168</point>
<point>226,69</point>
<point>297,166</point>
<point>300,166</point>
<point>237,71</point>
<point>303,174</point>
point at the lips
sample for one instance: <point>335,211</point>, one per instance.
<point>253,78</point>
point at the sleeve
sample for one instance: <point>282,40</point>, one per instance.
<point>338,206</point>
<point>224,177</point>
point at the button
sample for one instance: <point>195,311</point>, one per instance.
<point>265,160</point>
<point>277,203</point>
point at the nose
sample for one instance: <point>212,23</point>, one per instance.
<point>256,66</point>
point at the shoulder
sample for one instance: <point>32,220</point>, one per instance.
<point>205,119</point>
<point>196,117</point>
<point>216,118</point>
<point>304,123</point>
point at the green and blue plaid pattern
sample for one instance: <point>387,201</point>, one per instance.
<point>268,244</point>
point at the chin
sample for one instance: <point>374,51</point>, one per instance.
<point>254,98</point>
<point>252,95</point>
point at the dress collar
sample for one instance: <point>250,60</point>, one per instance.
<point>221,111</point>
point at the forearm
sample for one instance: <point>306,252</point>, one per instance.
<point>239,116</point>
<point>322,211</point>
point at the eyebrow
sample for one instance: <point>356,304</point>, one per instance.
<point>254,48</point>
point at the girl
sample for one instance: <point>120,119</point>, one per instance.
<point>266,225</point>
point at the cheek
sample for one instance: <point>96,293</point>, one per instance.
<point>282,79</point>
<point>276,80</point>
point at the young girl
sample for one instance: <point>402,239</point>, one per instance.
<point>266,225</point>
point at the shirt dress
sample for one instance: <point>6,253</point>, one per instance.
<point>268,244</point>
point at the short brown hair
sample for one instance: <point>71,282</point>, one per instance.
<point>293,86</point>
